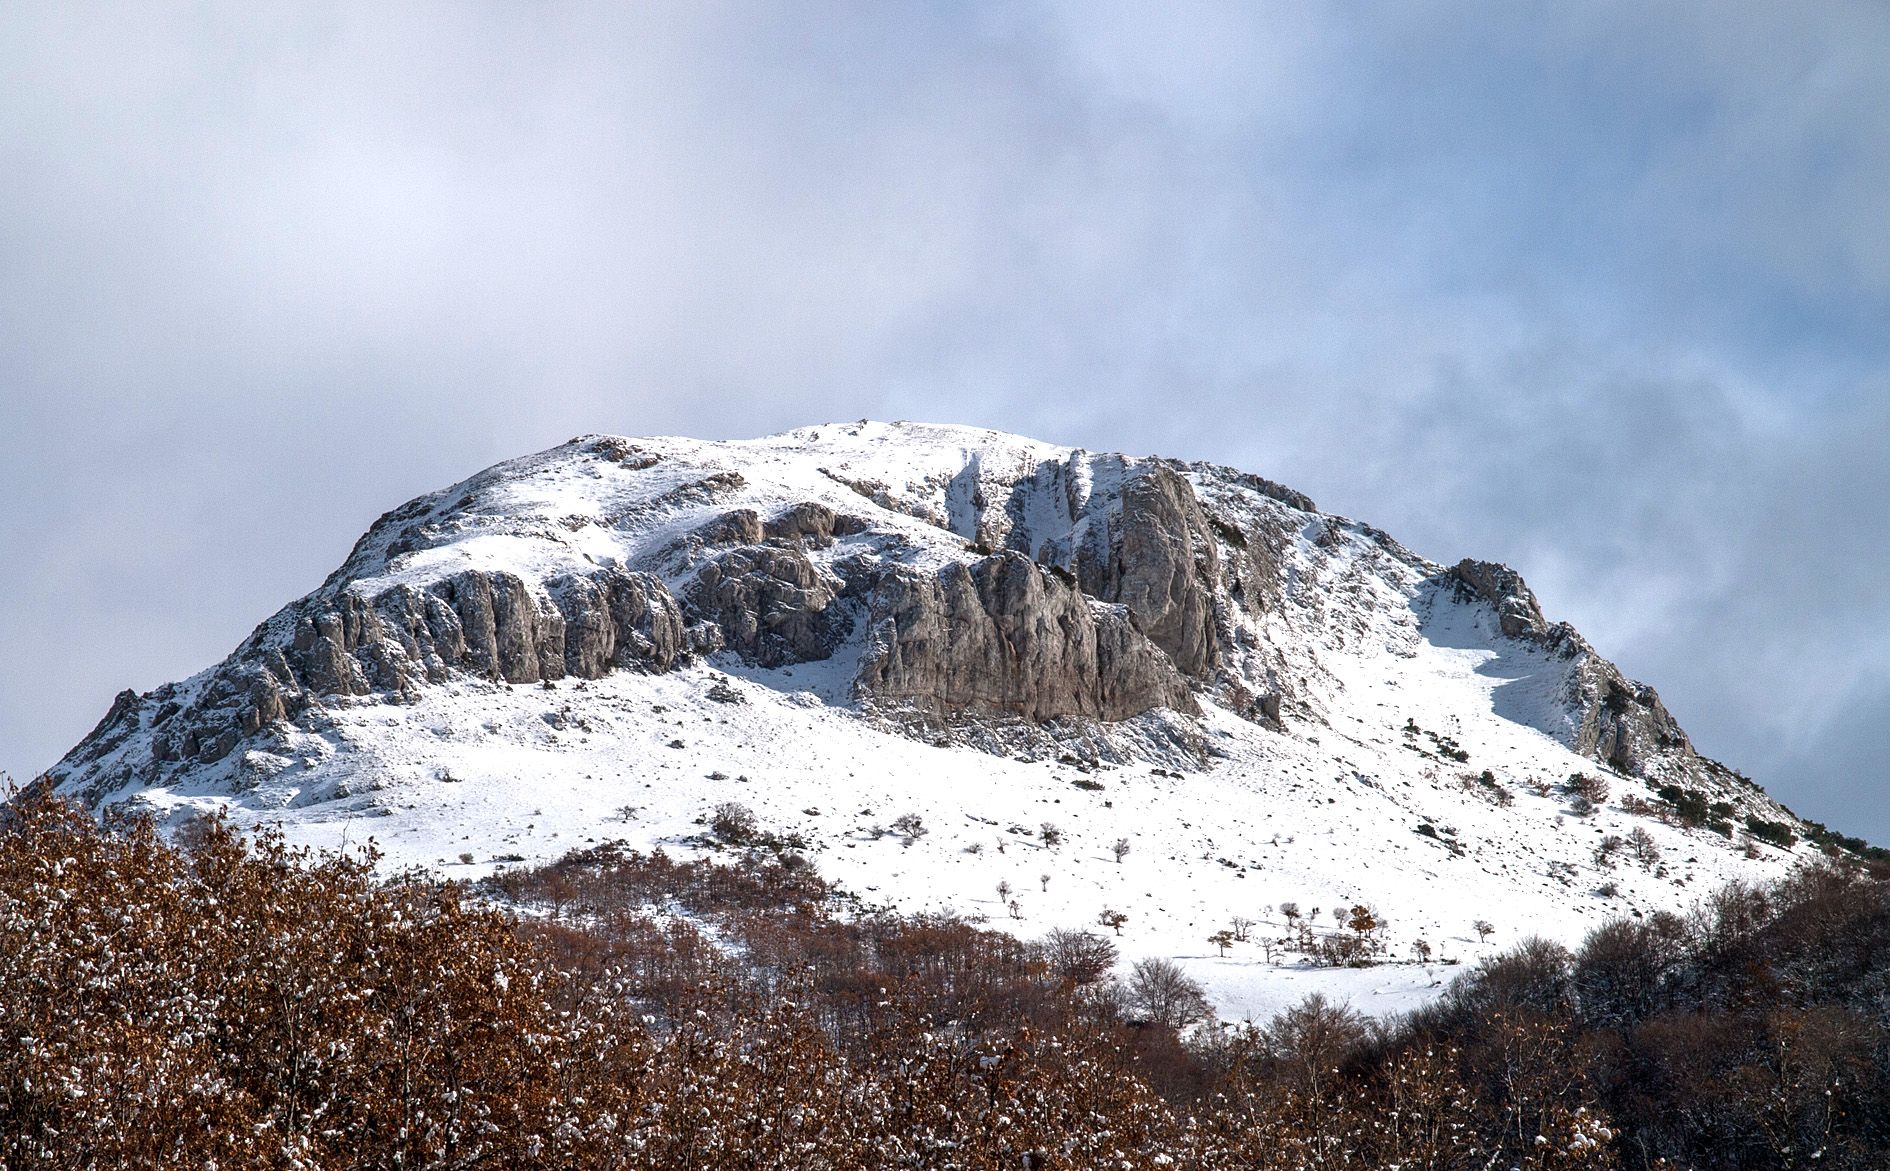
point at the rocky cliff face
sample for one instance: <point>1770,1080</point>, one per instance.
<point>956,575</point>
<point>1005,636</point>
<point>486,624</point>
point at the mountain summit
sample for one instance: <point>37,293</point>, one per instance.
<point>1172,690</point>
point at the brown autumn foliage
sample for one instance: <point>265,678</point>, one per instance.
<point>212,1001</point>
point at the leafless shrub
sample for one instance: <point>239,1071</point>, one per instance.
<point>910,827</point>
<point>1641,844</point>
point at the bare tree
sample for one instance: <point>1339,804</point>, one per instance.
<point>1595,789</point>
<point>1043,882</point>
<point>1223,939</point>
<point>1004,890</point>
<point>1312,1039</point>
<point>1120,849</point>
<point>1609,846</point>
<point>1161,992</point>
<point>1112,919</point>
<point>1641,844</point>
<point>1241,926</point>
<point>1483,928</point>
<point>1078,957</point>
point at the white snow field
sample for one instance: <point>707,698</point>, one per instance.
<point>1354,797</point>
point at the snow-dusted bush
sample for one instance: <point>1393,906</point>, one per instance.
<point>910,827</point>
<point>734,823</point>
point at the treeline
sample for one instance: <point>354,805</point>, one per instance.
<point>210,1001</point>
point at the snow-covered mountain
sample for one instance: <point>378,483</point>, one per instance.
<point>847,624</point>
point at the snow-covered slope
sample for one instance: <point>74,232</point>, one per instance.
<point>847,624</point>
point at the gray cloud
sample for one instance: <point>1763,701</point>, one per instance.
<point>1596,291</point>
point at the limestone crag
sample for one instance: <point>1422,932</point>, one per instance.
<point>1614,720</point>
<point>490,625</point>
<point>1504,590</point>
<point>619,619</point>
<point>1155,554</point>
<point>1004,635</point>
<point>773,606</point>
<point>1623,723</point>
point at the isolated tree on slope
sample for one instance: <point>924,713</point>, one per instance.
<point>1162,993</point>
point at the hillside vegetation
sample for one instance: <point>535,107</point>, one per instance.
<point>216,1001</point>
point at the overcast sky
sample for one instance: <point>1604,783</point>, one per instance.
<point>1598,290</point>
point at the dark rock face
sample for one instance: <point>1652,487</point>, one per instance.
<point>1622,723</point>
<point>773,605</point>
<point>740,527</point>
<point>507,635</point>
<point>1120,632</point>
<point>1517,611</point>
<point>488,625</point>
<point>1253,576</point>
<point>619,620</point>
<point>1005,636</point>
<point>812,522</point>
<point>1158,558</point>
<point>756,592</point>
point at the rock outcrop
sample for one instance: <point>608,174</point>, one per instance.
<point>1613,719</point>
<point>1006,636</point>
<point>619,619</point>
<point>772,605</point>
<point>1154,553</point>
<point>480,624</point>
<point>1503,589</point>
<point>490,624</point>
<point>1621,722</point>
